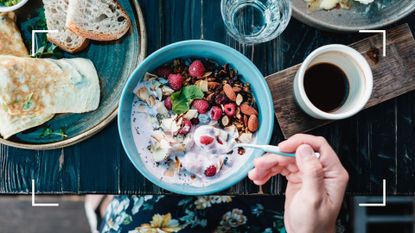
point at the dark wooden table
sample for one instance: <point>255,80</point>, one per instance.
<point>378,143</point>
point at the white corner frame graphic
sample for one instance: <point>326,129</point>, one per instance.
<point>384,37</point>
<point>40,204</point>
<point>33,38</point>
<point>383,204</point>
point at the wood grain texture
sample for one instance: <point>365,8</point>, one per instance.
<point>99,164</point>
<point>393,76</point>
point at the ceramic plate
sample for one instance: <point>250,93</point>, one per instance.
<point>114,61</point>
<point>375,15</point>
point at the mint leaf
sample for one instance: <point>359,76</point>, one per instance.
<point>179,103</point>
<point>181,99</point>
<point>192,92</point>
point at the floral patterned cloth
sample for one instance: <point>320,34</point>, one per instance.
<point>218,214</point>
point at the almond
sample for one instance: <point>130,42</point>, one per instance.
<point>246,120</point>
<point>253,123</point>
<point>236,89</point>
<point>248,110</point>
<point>229,92</point>
<point>213,85</point>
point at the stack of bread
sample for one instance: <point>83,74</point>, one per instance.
<point>78,21</point>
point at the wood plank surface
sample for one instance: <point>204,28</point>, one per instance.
<point>18,215</point>
<point>393,75</point>
<point>100,165</point>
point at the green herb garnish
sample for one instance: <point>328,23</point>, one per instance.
<point>181,99</point>
<point>48,132</point>
<point>43,48</point>
<point>4,107</point>
<point>9,2</point>
<point>28,104</point>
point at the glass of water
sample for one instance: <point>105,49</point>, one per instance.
<point>255,21</point>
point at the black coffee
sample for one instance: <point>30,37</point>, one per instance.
<point>326,85</point>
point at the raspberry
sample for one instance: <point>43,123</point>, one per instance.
<point>186,127</point>
<point>175,81</point>
<point>230,109</point>
<point>215,113</point>
<point>206,140</point>
<point>201,105</point>
<point>163,71</point>
<point>210,171</point>
<point>167,103</point>
<point>196,69</point>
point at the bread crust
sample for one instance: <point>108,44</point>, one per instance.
<point>83,45</point>
<point>71,25</point>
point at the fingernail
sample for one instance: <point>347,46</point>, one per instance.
<point>305,151</point>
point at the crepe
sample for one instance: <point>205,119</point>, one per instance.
<point>33,90</point>
<point>11,40</point>
<point>12,44</point>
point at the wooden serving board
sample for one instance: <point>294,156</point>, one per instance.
<point>393,75</point>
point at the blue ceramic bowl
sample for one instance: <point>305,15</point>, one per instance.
<point>221,54</point>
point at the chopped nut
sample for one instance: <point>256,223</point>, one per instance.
<point>239,99</point>
<point>203,85</point>
<point>167,90</point>
<point>142,93</point>
<point>151,101</point>
<point>245,137</point>
<point>192,113</point>
<point>149,76</point>
<point>225,120</point>
<point>207,74</point>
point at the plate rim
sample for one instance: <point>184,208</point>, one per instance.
<point>312,22</point>
<point>102,124</point>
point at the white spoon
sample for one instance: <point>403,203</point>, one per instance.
<point>225,147</point>
<point>267,148</point>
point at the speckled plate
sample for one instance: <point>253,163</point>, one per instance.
<point>375,15</point>
<point>114,61</point>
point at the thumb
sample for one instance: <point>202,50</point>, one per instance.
<point>311,169</point>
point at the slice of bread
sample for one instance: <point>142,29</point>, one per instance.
<point>55,12</point>
<point>102,20</point>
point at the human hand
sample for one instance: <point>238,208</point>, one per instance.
<point>315,187</point>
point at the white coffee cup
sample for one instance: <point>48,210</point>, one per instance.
<point>358,73</point>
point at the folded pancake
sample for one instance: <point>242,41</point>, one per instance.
<point>11,42</point>
<point>32,90</point>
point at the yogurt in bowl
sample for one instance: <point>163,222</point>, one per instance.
<point>191,178</point>
<point>186,116</point>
